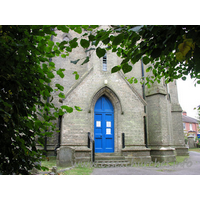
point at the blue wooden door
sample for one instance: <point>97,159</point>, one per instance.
<point>104,126</point>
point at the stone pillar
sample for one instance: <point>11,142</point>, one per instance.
<point>178,141</point>
<point>159,129</point>
<point>191,141</point>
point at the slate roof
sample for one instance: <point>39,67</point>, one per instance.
<point>189,119</point>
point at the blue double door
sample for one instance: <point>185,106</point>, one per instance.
<point>104,126</point>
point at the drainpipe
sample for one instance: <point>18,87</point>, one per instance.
<point>145,120</point>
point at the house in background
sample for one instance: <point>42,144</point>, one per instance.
<point>190,125</point>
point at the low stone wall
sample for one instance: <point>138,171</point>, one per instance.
<point>137,154</point>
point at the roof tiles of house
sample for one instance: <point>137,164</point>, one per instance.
<point>189,119</point>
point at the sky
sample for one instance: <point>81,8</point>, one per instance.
<point>189,96</point>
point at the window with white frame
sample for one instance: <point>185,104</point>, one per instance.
<point>191,127</point>
<point>183,126</point>
<point>105,62</point>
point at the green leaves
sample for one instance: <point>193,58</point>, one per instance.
<point>60,87</point>
<point>100,52</point>
<point>118,39</point>
<point>63,28</point>
<point>60,72</point>
<point>76,75</point>
<point>62,44</point>
<point>50,43</point>
<point>145,60</point>
<point>84,43</point>
<point>148,69</point>
<point>184,78</point>
<point>156,53</point>
<point>86,60</point>
<point>76,28</point>
<point>25,75</point>
<point>73,43</point>
<point>27,111</point>
<point>116,69</point>
<point>132,80</point>
<point>126,68</point>
<point>50,75</point>
<point>68,109</point>
<point>61,95</point>
<point>78,108</point>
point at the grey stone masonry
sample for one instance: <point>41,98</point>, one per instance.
<point>160,107</point>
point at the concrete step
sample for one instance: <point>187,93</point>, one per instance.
<point>109,158</point>
<point>108,154</point>
<point>111,163</point>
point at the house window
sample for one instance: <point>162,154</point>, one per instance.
<point>183,126</point>
<point>190,127</point>
<point>105,62</point>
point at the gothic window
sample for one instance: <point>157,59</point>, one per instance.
<point>105,62</point>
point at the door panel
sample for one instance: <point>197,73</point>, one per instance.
<point>98,133</point>
<point>104,126</point>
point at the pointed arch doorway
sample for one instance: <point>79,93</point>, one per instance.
<point>104,125</point>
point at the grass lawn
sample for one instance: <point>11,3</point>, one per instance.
<point>49,162</point>
<point>195,149</point>
<point>179,159</point>
<point>78,170</point>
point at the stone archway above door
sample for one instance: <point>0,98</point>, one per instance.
<point>110,94</point>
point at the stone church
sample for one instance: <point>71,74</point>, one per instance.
<point>150,119</point>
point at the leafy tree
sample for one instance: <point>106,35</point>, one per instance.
<point>171,52</point>
<point>26,108</point>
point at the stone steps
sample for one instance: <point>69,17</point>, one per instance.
<point>111,163</point>
<point>109,156</point>
<point>110,160</point>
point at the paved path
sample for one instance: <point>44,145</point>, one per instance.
<point>189,167</point>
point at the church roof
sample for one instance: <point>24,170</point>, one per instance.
<point>189,119</point>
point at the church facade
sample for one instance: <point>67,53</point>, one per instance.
<point>149,118</point>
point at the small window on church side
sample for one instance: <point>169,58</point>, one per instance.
<point>105,62</point>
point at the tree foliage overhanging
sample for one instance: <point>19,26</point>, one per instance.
<point>26,108</point>
<point>171,52</point>
<point>25,94</point>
